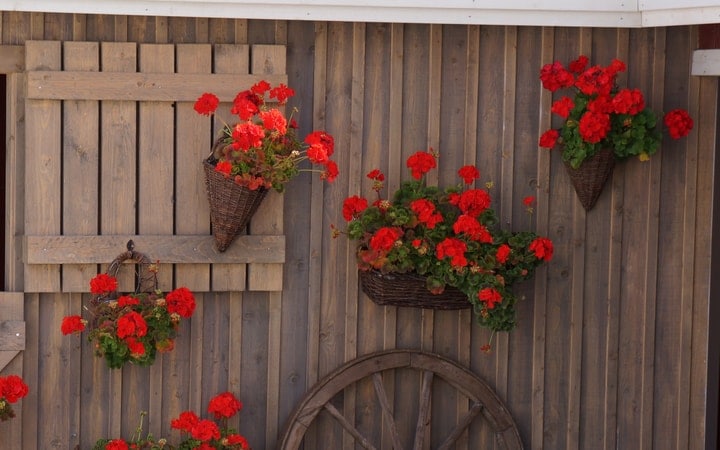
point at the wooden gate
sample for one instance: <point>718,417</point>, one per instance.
<point>111,150</point>
<point>114,155</point>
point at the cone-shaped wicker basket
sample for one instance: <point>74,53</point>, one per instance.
<point>231,205</point>
<point>409,289</point>
<point>590,178</point>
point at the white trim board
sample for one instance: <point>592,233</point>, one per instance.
<point>706,62</point>
<point>595,13</point>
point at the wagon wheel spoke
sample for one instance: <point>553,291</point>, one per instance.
<point>359,438</point>
<point>423,420</point>
<point>387,412</point>
<point>461,426</point>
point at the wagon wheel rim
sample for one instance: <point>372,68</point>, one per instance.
<point>484,401</point>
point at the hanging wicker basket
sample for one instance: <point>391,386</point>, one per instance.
<point>231,205</point>
<point>146,281</point>
<point>589,179</point>
<point>409,289</point>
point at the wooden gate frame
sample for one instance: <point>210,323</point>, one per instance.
<point>12,325</point>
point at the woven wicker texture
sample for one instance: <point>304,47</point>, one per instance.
<point>590,178</point>
<point>231,205</point>
<point>145,275</point>
<point>408,289</point>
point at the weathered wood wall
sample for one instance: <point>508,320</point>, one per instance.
<point>612,343</point>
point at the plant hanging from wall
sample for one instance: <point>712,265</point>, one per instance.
<point>12,389</point>
<point>197,433</point>
<point>132,327</point>
<point>260,151</point>
<point>449,239</point>
<point>602,122</point>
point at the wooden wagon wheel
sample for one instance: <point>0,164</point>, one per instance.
<point>482,400</point>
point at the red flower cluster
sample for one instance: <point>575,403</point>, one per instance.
<point>454,249</point>
<point>352,206</point>
<point>426,213</point>
<point>421,163</point>
<point>198,433</point>
<point>262,150</point>
<point>72,324</point>
<point>679,123</point>
<point>205,433</point>
<point>449,236</point>
<point>602,115</point>
<point>103,284</point>
<point>12,389</point>
<point>133,327</point>
<point>384,239</point>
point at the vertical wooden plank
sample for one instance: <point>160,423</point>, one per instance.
<point>433,141</point>
<point>80,164</point>
<point>547,46</point>
<point>465,317</point>
<point>684,417</point>
<point>156,194</point>
<point>43,155</point>
<point>704,109</point>
<point>192,136</point>
<point>14,182</point>
<point>229,59</point>
<point>576,300</point>
<point>56,381</point>
<point>316,210</point>
<point>507,169</point>
<point>118,177</point>
<point>31,356</point>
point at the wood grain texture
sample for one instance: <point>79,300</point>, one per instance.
<point>612,348</point>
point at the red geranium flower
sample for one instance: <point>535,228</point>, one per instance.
<point>181,301</point>
<point>469,174</point>
<point>425,210</point>
<point>562,107</point>
<point>502,253</point>
<point>474,202</point>
<point>679,123</point>
<point>207,104</point>
<point>385,238</point>
<point>137,348</point>
<point>470,226</point>
<point>185,422</point>
<point>421,163</point>
<point>72,324</point>
<point>131,324</point>
<point>117,444</point>
<point>224,405</point>
<point>282,93</point>
<point>353,206</point>
<point>103,284</point>
<point>549,138</point>
<point>542,247</point>
<point>247,135</point>
<point>490,296</point>
<point>376,175</point>
<point>205,430</point>
<point>13,388</point>
<point>453,248</point>
<point>331,171</point>
<point>273,120</point>
<point>127,300</point>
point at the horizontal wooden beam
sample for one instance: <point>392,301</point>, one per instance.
<point>12,335</point>
<point>166,249</point>
<point>137,86</point>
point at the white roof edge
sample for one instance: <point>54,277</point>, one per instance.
<point>368,11</point>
